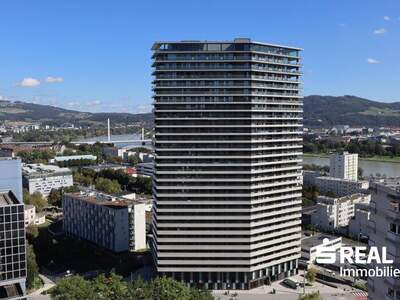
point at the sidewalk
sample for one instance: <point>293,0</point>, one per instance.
<point>47,284</point>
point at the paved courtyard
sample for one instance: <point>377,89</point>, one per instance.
<point>285,293</point>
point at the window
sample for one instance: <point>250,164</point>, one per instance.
<point>394,228</point>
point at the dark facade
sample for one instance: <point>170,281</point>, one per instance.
<point>12,247</point>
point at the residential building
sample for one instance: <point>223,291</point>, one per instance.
<point>335,213</point>
<point>113,223</point>
<point>344,165</point>
<point>311,246</point>
<point>145,169</point>
<point>358,225</point>
<point>12,247</point>
<point>33,218</point>
<point>11,176</point>
<point>43,178</point>
<point>384,231</point>
<point>228,148</point>
<point>340,187</point>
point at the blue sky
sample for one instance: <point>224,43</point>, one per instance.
<point>94,55</point>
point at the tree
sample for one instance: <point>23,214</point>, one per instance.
<point>311,275</point>
<point>111,287</point>
<point>331,194</point>
<point>32,267</point>
<point>165,288</point>
<point>114,287</point>
<point>108,186</point>
<point>32,232</point>
<point>139,290</point>
<point>36,199</point>
<point>143,184</point>
<point>55,197</point>
<point>134,159</point>
<point>73,288</point>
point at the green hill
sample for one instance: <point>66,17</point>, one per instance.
<point>325,111</point>
<point>319,111</point>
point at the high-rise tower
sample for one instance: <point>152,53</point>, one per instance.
<point>227,184</point>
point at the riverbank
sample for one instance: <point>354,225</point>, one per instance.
<point>376,158</point>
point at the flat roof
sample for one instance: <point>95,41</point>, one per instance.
<point>8,198</point>
<point>104,199</point>
<point>317,239</point>
<point>43,169</point>
<point>234,41</point>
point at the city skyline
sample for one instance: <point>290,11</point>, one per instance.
<point>94,56</point>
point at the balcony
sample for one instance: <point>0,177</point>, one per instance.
<point>392,214</point>
<point>393,237</point>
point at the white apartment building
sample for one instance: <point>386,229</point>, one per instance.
<point>33,218</point>
<point>43,178</point>
<point>340,187</point>
<point>228,153</point>
<point>310,246</point>
<point>333,214</point>
<point>358,225</point>
<point>344,165</point>
<point>384,230</point>
<point>114,223</point>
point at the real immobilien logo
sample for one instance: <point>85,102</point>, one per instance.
<point>359,255</point>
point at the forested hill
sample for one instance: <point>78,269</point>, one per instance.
<point>325,111</point>
<point>319,111</point>
<point>30,112</point>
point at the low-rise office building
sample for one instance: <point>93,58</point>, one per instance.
<point>43,178</point>
<point>335,213</point>
<point>116,224</point>
<point>12,247</point>
<point>311,246</point>
<point>340,187</point>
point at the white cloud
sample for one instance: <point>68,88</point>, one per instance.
<point>386,18</point>
<point>51,79</point>
<point>143,108</point>
<point>93,103</point>
<point>73,104</point>
<point>373,61</point>
<point>379,31</point>
<point>29,82</point>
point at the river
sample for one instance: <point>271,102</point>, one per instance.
<point>368,167</point>
<point>120,137</point>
